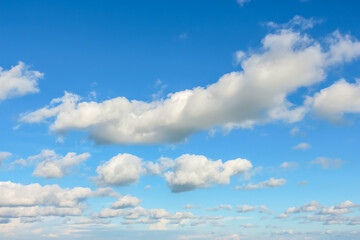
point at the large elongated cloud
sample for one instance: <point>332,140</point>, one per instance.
<point>287,61</point>
<point>18,81</point>
<point>19,195</point>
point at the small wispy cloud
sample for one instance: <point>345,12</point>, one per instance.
<point>302,146</point>
<point>328,163</point>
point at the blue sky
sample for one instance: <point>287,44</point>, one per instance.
<point>218,120</point>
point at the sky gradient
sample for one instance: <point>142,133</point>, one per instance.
<point>219,120</point>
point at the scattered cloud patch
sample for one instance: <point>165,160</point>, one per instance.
<point>327,163</point>
<point>271,183</point>
<point>289,165</point>
<point>302,146</point>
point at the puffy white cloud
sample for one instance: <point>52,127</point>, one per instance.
<point>327,163</point>
<point>29,203</point>
<point>51,165</point>
<point>133,213</point>
<point>309,207</point>
<point>288,61</point>
<point>121,170</point>
<point>158,213</point>
<point>18,195</point>
<point>271,183</point>
<point>302,146</point>
<point>126,201</point>
<point>18,81</point>
<point>346,204</point>
<point>246,208</point>
<point>185,174</point>
<point>336,100</point>
<point>4,156</point>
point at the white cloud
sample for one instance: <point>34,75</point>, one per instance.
<point>126,202</point>
<point>296,22</point>
<point>18,81</point>
<point>328,163</point>
<point>160,166</point>
<point>258,94</point>
<point>33,201</point>
<point>309,207</point>
<point>289,165</point>
<point>18,195</point>
<point>246,208</point>
<point>185,174</point>
<point>221,207</point>
<point>336,100</point>
<point>302,146</point>
<point>121,170</point>
<point>271,183</point>
<point>52,165</point>
<point>133,213</point>
<point>4,156</point>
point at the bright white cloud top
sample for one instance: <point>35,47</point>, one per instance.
<point>18,81</point>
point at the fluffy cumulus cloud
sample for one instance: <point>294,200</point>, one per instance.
<point>52,165</point>
<point>338,99</point>
<point>271,183</point>
<point>287,61</point>
<point>126,201</point>
<point>18,81</point>
<point>34,200</point>
<point>181,174</point>
<point>16,194</point>
<point>121,170</point>
<point>185,174</point>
